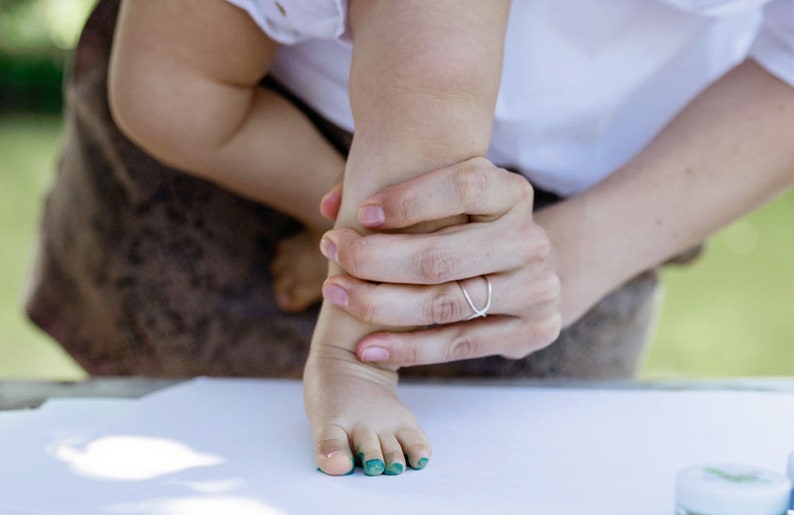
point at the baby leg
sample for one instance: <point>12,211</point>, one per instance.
<point>414,112</point>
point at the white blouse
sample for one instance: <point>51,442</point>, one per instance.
<point>586,84</point>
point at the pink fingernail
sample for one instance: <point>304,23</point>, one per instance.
<point>371,216</point>
<point>374,354</point>
<point>336,294</point>
<point>329,250</point>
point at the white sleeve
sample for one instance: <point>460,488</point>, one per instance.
<point>292,21</point>
<point>774,46</point>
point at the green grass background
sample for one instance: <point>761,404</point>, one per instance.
<point>730,314</point>
<point>28,146</point>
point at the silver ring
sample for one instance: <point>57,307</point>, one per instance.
<point>478,312</point>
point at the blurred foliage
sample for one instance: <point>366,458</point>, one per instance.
<point>35,36</point>
<point>41,25</point>
<point>30,83</point>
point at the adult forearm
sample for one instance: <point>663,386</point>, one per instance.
<point>728,152</point>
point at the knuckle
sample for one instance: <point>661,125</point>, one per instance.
<point>470,183</point>
<point>536,335</point>
<point>354,256</point>
<point>443,307</point>
<point>407,208</point>
<point>364,310</point>
<point>460,349</point>
<point>407,355</point>
<point>543,243</point>
<point>463,346</point>
<point>547,331</point>
<point>550,287</point>
<point>523,188</point>
<point>536,243</point>
<point>522,193</point>
<point>436,266</point>
<point>523,239</point>
<point>524,344</point>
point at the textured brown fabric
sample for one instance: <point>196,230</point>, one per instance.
<point>144,270</point>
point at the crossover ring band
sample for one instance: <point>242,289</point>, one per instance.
<point>477,311</point>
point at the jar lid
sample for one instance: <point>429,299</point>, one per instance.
<point>729,489</point>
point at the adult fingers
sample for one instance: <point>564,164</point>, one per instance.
<point>474,187</point>
<point>511,337</point>
<point>449,254</point>
<point>399,305</point>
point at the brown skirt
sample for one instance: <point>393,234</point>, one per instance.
<point>144,270</point>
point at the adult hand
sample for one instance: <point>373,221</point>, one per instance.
<point>404,280</point>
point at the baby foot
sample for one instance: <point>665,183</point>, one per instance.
<point>353,407</point>
<point>298,271</point>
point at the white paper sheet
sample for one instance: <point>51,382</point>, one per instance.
<point>244,447</point>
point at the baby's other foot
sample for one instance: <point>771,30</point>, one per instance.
<point>299,270</point>
<point>354,410</point>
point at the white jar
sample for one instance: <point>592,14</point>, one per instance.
<point>727,489</point>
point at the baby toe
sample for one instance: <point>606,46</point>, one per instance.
<point>333,453</point>
<point>416,447</point>
<point>369,452</point>
<point>392,454</point>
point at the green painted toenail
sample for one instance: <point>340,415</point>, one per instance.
<point>422,463</point>
<point>395,469</point>
<point>374,467</point>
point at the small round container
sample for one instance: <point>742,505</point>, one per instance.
<point>727,489</point>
